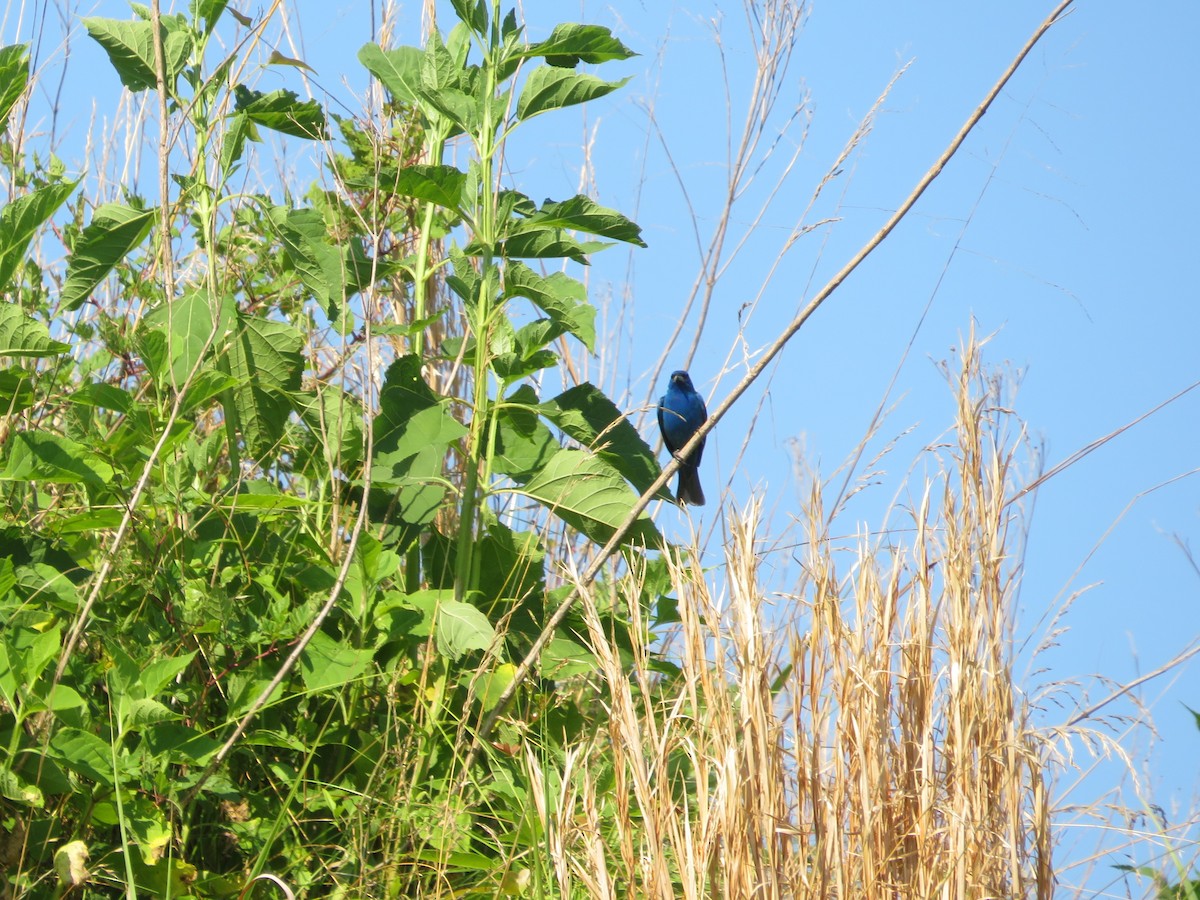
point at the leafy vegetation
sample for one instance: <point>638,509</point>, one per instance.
<point>286,506</point>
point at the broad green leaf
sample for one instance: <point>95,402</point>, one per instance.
<point>16,390</point>
<point>238,130</point>
<point>184,326</point>
<point>545,243</point>
<point>410,457</point>
<point>588,416</point>
<point>570,44</point>
<point>564,658</point>
<point>130,49</point>
<point>490,686</point>
<point>23,336</point>
<point>14,76</point>
<point>21,218</point>
<point>328,664</point>
<point>525,443</point>
<point>333,273</point>
<point>462,628</point>
<point>590,496</point>
<point>582,213</point>
<point>473,13</point>
<point>550,87</point>
<point>282,111</point>
<point>43,456</point>
<point>561,297</point>
<point>156,676</point>
<point>445,89</point>
<point>442,185</point>
<point>114,231</point>
<point>14,787</point>
<point>265,359</point>
<point>83,752</point>
<point>137,715</point>
<point>335,417</point>
<point>179,740</point>
<point>398,70</point>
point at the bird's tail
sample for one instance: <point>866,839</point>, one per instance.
<point>689,490</point>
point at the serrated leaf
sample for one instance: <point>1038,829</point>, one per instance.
<point>130,49</point>
<point>589,495</point>
<point>525,443</point>
<point>114,231</point>
<point>442,185</point>
<point>410,458</point>
<point>398,69</point>
<point>582,213</point>
<point>327,664</point>
<point>545,243</point>
<point>83,752</point>
<point>561,297</point>
<point>586,414</point>
<point>333,273</point>
<point>282,111</point>
<point>462,628</point>
<point>265,359</point>
<point>21,218</point>
<point>473,13</point>
<point>550,87</point>
<point>444,91</point>
<point>42,456</point>
<point>22,336</point>
<point>571,43</point>
<point>184,325</point>
<point>14,77</point>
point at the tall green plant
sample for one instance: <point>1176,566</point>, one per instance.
<point>190,426</point>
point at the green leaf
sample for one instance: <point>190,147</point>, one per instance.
<point>332,273</point>
<point>561,297</point>
<point>130,49</point>
<point>550,87</point>
<point>472,13</point>
<point>83,752</point>
<point>588,416</point>
<point>442,185</point>
<point>590,496</point>
<point>545,243</point>
<point>20,220</point>
<point>335,418</point>
<point>114,231</point>
<point>23,336</point>
<point>571,43</point>
<point>42,456</point>
<point>461,628</point>
<point>410,457</point>
<point>582,213</point>
<point>282,111</point>
<point>182,326</point>
<point>398,70</point>
<point>445,89</point>
<point>209,11</point>
<point>14,77</point>
<point>16,390</point>
<point>327,664</point>
<point>525,444</point>
<point>265,359</point>
<point>156,676</point>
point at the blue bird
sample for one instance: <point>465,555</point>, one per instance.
<point>681,412</point>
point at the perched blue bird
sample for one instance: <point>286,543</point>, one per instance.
<point>681,412</point>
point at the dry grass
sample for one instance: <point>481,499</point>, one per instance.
<point>863,738</point>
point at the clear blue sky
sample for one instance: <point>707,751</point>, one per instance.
<point>1072,208</point>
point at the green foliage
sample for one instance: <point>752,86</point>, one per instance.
<point>185,458</point>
